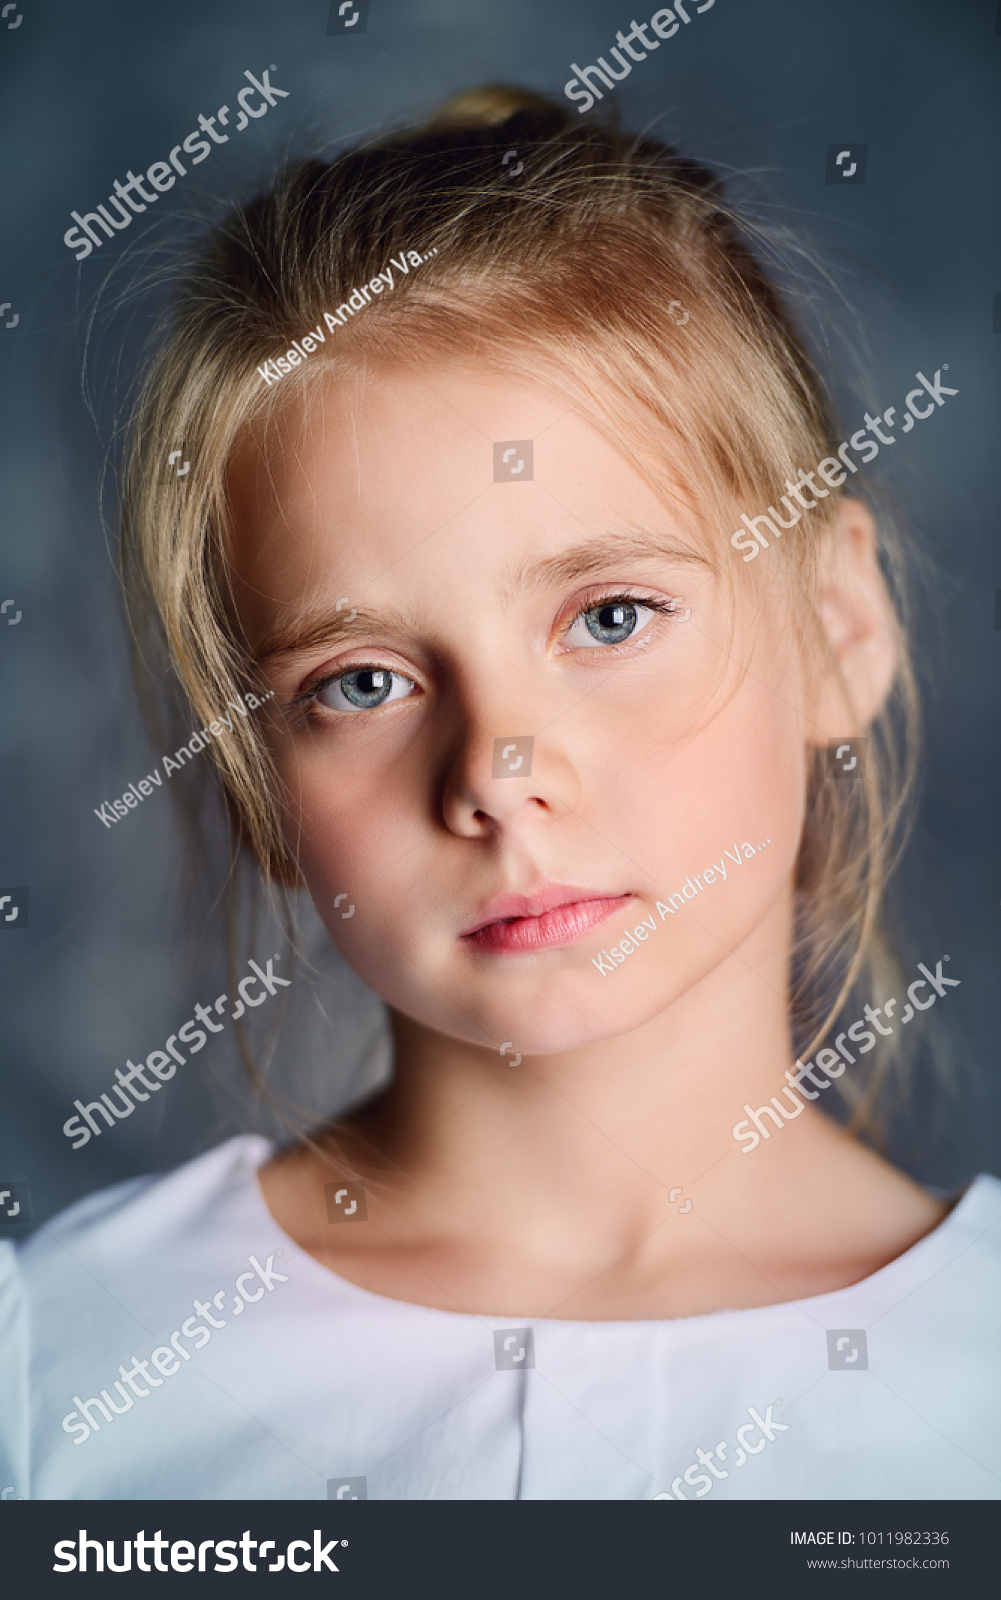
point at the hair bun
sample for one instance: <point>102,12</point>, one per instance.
<point>491,105</point>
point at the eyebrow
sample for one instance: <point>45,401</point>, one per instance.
<point>313,630</point>
<point>597,554</point>
<point>307,630</point>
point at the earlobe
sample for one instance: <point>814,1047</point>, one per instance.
<point>858,622</point>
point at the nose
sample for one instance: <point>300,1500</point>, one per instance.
<point>498,782</point>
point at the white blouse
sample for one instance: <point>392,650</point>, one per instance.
<point>268,1377</point>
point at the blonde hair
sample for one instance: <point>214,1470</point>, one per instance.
<point>579,259</point>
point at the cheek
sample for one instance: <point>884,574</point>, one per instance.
<point>366,856</point>
<point>677,788</point>
<point>353,828</point>
<point>728,799</point>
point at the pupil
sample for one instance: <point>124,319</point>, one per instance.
<point>611,623</point>
<point>367,687</point>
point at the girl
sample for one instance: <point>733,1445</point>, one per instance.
<point>601,810</point>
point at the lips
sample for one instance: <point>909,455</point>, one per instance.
<point>555,915</point>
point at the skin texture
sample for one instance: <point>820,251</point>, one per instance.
<point>541,1187</point>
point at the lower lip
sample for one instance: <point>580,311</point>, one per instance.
<point>560,926</point>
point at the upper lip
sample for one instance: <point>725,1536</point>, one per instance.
<point>508,907</point>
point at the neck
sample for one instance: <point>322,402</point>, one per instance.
<point>608,1127</point>
<point>605,1181</point>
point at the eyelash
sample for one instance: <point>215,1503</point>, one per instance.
<point>597,602</point>
<point>307,702</point>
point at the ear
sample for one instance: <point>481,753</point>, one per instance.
<point>858,623</point>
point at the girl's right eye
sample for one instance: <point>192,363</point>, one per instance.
<point>362,689</point>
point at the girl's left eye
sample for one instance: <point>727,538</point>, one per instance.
<point>362,689</point>
<point>613,621</point>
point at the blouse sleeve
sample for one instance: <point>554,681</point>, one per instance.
<point>14,1434</point>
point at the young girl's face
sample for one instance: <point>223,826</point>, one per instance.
<point>436,566</point>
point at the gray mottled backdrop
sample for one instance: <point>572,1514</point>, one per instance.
<point>106,966</point>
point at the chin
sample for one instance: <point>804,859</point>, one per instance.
<point>552,1023</point>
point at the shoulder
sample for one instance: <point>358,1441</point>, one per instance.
<point>961,1256</point>
<point>943,1293</point>
<point>159,1205</point>
<point>101,1273</point>
<point>147,1230</point>
<point>973,1223</point>
<point>966,1248</point>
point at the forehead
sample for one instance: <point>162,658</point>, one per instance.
<point>385,477</point>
